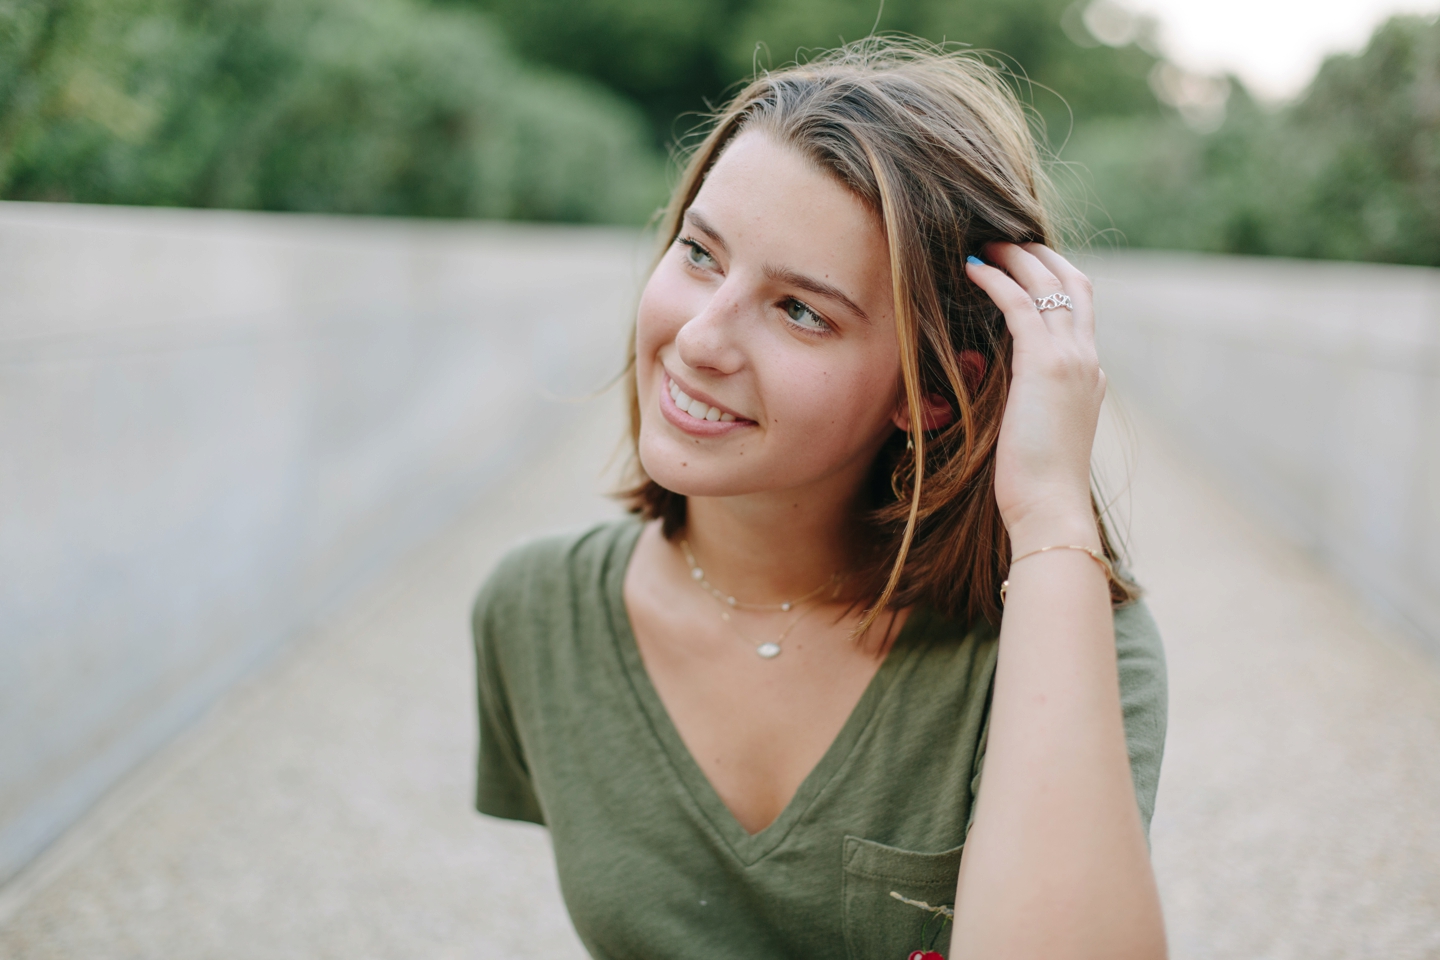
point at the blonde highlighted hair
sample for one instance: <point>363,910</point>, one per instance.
<point>938,145</point>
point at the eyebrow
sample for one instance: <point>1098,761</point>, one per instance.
<point>705,227</point>
<point>783,275</point>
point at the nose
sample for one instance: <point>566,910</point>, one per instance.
<point>710,340</point>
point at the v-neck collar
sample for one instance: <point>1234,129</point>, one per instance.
<point>748,848</point>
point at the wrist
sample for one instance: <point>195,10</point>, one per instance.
<point>1053,529</point>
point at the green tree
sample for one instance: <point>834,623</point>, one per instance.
<point>662,54</point>
<point>1350,171</point>
<point>675,57</point>
<point>353,106</point>
<point>1370,126</point>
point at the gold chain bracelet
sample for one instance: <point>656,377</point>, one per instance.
<point>1095,555</point>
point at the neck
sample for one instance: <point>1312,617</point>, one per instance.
<point>773,546</point>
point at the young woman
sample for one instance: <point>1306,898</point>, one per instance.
<point>860,679</point>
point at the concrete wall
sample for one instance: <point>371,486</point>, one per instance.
<point>215,426</point>
<point>1312,389</point>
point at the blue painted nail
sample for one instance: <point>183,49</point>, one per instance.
<point>975,260</point>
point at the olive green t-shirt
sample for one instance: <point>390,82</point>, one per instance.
<point>651,862</point>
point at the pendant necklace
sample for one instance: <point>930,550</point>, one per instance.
<point>770,649</point>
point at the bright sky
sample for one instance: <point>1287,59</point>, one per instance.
<point>1273,45</point>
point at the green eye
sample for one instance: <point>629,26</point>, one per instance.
<point>697,255</point>
<point>803,316</point>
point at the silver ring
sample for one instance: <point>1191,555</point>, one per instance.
<point>1052,302</point>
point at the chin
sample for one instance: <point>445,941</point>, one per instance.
<point>694,472</point>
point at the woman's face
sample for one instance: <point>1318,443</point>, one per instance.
<point>766,353</point>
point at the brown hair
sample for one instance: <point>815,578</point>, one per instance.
<point>939,146</point>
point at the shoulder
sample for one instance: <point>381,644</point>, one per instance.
<point>541,573</point>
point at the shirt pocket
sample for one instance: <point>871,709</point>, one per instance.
<point>880,926</point>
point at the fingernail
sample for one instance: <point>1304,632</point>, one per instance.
<point>975,260</point>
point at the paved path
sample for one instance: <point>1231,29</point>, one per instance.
<point>323,811</point>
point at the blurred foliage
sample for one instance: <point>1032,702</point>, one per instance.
<point>420,107</point>
<point>674,57</point>
<point>1350,171</point>
<point>1155,158</point>
<point>347,106</point>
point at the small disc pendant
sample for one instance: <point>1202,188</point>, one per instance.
<point>768,650</point>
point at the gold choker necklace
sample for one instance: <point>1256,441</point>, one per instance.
<point>769,649</point>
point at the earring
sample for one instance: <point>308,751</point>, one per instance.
<point>904,470</point>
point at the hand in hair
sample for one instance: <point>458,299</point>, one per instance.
<point>1042,461</point>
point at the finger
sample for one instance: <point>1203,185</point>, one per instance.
<point>1014,301</point>
<point>1036,278</point>
<point>1025,267</point>
<point>1077,287</point>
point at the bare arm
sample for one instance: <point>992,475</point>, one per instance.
<point>1056,864</point>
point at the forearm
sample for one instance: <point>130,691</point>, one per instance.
<point>1056,864</point>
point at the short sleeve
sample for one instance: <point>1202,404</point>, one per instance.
<point>1144,698</point>
<point>503,786</point>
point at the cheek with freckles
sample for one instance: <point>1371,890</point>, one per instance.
<point>819,420</point>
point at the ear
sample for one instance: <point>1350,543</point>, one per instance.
<point>972,368</point>
<point>937,412</point>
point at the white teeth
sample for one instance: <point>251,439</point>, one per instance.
<point>696,408</point>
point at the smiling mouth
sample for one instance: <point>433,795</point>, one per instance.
<point>696,409</point>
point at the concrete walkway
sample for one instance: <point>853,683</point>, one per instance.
<point>323,811</point>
